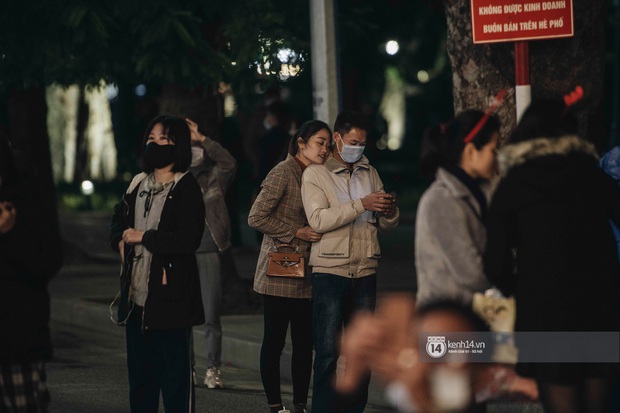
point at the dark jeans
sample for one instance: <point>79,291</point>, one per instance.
<point>335,300</point>
<point>158,361</point>
<point>278,313</point>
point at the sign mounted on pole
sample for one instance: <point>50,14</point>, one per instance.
<point>517,20</point>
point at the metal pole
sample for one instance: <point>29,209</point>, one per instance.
<point>325,84</point>
<point>523,89</point>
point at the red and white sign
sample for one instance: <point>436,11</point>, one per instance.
<point>515,20</point>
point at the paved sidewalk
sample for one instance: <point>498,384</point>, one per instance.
<point>84,288</point>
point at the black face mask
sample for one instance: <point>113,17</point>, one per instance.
<point>159,156</point>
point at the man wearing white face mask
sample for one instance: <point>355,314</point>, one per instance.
<point>344,200</point>
<point>214,169</point>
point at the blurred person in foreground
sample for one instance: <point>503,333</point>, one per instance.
<point>388,344</point>
<point>214,169</point>
<point>278,213</point>
<point>157,227</point>
<point>344,201</point>
<point>549,219</point>
<point>30,255</point>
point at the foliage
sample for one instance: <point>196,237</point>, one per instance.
<point>83,41</point>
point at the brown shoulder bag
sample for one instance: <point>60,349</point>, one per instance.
<point>286,264</point>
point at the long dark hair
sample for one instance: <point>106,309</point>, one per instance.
<point>306,131</point>
<point>442,145</point>
<point>545,118</point>
<point>178,132</point>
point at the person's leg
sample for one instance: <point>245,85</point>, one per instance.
<point>173,356</point>
<point>23,387</point>
<point>363,298</point>
<point>596,393</point>
<point>615,396</point>
<point>301,338</point>
<point>329,292</point>
<point>209,269</point>
<point>557,398</point>
<point>141,367</point>
<point>276,320</point>
<point>363,295</point>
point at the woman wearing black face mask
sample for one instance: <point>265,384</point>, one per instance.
<point>157,228</point>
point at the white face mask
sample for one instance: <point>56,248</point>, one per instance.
<point>450,388</point>
<point>350,153</point>
<point>398,396</point>
<point>198,156</point>
<point>450,391</point>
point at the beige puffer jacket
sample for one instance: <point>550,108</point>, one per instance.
<point>332,198</point>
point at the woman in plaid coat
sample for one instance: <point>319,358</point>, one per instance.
<point>278,213</point>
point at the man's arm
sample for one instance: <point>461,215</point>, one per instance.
<point>323,217</point>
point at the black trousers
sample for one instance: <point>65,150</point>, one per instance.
<point>158,361</point>
<point>279,312</point>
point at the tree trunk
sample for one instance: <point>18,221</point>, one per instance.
<point>479,71</point>
<point>28,132</point>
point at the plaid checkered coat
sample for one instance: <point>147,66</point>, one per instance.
<point>278,213</point>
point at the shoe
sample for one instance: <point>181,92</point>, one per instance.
<point>284,410</point>
<point>299,408</point>
<point>213,379</point>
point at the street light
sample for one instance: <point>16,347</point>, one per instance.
<point>87,188</point>
<point>392,47</point>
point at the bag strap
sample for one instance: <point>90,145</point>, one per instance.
<point>277,247</point>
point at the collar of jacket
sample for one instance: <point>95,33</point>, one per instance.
<point>457,188</point>
<point>141,176</point>
<point>517,154</point>
<point>335,166</point>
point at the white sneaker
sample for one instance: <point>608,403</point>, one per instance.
<point>213,379</point>
<point>284,410</point>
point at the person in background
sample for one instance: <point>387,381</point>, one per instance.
<point>272,146</point>
<point>30,255</point>
<point>549,219</point>
<point>278,213</point>
<point>450,221</point>
<point>214,169</point>
<point>157,227</point>
<point>345,202</point>
<point>610,163</point>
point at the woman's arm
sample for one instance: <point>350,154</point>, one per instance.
<point>322,216</point>
<point>445,223</point>
<point>118,224</point>
<point>269,198</point>
<point>225,163</point>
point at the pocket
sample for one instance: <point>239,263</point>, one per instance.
<point>373,250</point>
<point>334,244</point>
<point>170,282</point>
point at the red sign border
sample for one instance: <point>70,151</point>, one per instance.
<point>519,39</point>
